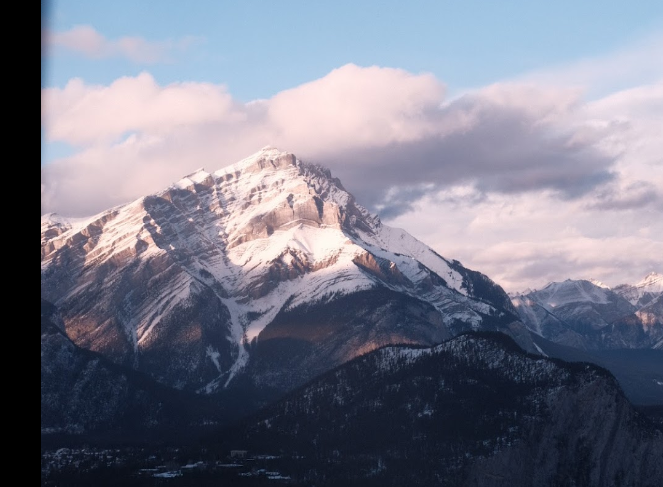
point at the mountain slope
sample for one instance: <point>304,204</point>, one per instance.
<point>188,284</point>
<point>475,410</point>
<point>83,393</point>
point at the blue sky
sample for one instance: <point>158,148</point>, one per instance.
<point>258,48</point>
<point>485,126</point>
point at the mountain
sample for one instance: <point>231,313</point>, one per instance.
<point>265,273</point>
<point>588,315</point>
<point>474,410</point>
<point>220,293</point>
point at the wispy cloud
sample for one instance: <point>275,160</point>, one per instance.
<point>85,40</point>
<point>640,62</point>
<point>638,194</point>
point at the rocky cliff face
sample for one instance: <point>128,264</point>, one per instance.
<point>584,315</point>
<point>191,284</point>
<point>475,410</point>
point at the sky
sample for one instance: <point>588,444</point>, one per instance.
<point>524,139</point>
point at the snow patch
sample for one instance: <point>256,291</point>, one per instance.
<point>214,355</point>
<point>195,177</point>
<point>598,283</point>
<point>539,350</point>
<point>168,475</point>
<point>179,292</point>
<point>238,337</point>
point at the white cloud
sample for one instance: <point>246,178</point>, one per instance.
<point>356,107</point>
<point>85,40</point>
<point>84,114</point>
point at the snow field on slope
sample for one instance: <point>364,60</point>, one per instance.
<point>328,246</point>
<point>318,244</point>
<point>400,242</point>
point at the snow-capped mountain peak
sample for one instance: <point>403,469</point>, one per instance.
<point>598,283</point>
<point>206,265</point>
<point>652,282</point>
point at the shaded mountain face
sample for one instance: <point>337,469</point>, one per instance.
<point>83,393</point>
<point>475,410</point>
<point>585,315</point>
<point>264,264</point>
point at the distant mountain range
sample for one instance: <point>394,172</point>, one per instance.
<point>588,315</point>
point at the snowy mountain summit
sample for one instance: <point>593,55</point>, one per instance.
<point>267,269</point>
<point>641,293</point>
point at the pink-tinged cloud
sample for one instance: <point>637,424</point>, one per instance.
<point>536,263</point>
<point>85,40</point>
<point>391,124</point>
<point>355,106</point>
<point>83,114</point>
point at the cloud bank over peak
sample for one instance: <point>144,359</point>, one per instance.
<point>392,125</point>
<point>394,141</point>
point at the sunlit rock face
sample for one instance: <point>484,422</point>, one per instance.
<point>196,285</point>
<point>585,315</point>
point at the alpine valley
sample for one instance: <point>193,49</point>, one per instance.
<point>260,310</point>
